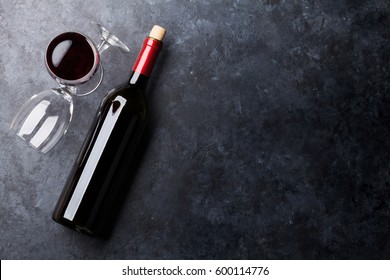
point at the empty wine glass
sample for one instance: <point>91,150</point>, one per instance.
<point>73,60</point>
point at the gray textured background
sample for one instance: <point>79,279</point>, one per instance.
<point>269,135</point>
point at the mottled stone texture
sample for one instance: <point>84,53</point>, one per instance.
<point>269,132</point>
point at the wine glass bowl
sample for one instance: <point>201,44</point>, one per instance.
<point>73,60</point>
<point>44,119</point>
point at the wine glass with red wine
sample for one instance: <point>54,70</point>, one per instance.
<point>73,60</point>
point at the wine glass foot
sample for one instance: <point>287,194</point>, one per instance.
<point>108,39</point>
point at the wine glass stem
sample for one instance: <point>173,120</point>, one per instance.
<point>103,45</point>
<point>64,93</point>
<point>67,90</point>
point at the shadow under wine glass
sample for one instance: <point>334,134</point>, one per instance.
<point>73,60</point>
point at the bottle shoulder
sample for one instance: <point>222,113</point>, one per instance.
<point>127,91</point>
<point>133,98</point>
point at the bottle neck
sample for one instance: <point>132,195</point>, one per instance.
<point>144,64</point>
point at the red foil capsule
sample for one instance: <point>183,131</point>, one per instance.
<point>147,57</point>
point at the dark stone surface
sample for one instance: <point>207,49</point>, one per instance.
<point>269,133</point>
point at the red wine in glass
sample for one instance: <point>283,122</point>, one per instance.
<point>72,58</point>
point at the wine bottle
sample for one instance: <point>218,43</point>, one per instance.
<point>94,182</point>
